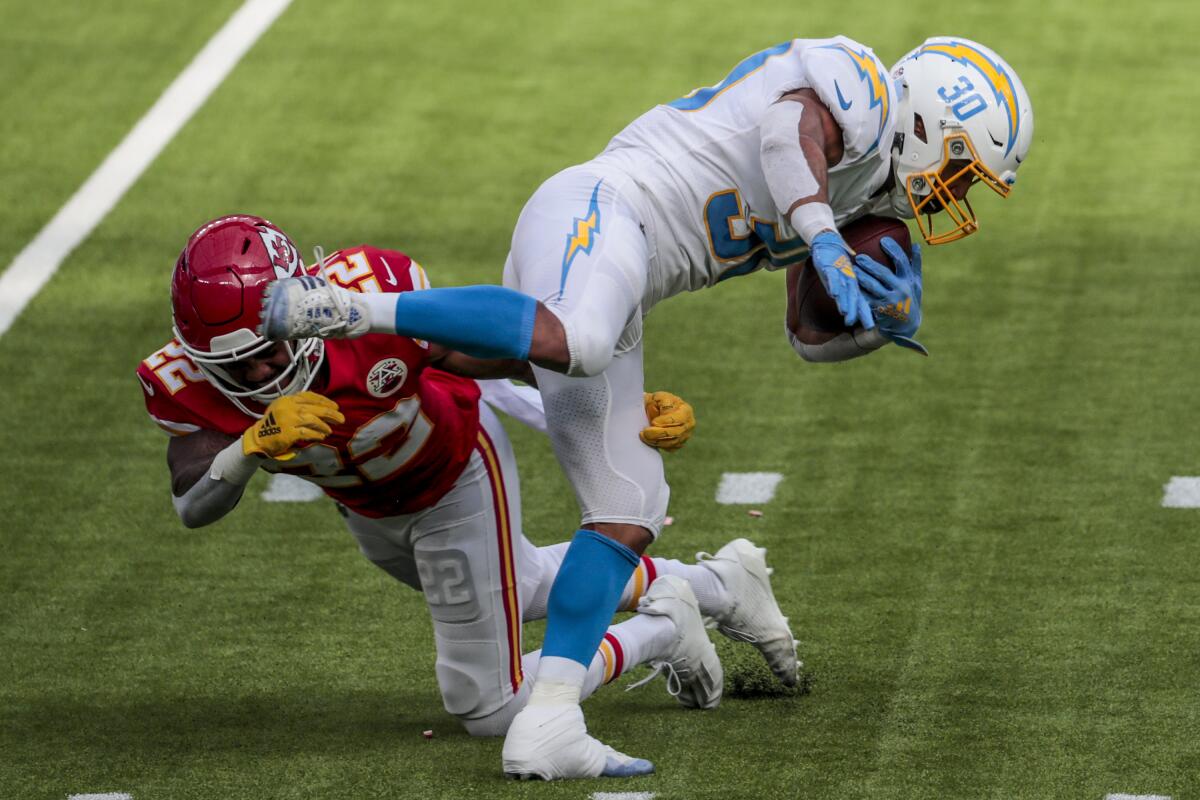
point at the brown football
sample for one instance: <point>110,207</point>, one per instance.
<point>811,314</point>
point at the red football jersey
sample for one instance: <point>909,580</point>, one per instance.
<point>409,428</point>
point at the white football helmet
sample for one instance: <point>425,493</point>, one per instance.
<point>963,115</point>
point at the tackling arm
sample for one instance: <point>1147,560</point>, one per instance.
<point>201,492</point>
<point>209,470</point>
<point>467,366</point>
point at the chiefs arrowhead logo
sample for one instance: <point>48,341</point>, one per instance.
<point>386,377</point>
<point>283,253</point>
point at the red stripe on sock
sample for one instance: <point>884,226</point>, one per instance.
<point>651,573</point>
<point>618,654</point>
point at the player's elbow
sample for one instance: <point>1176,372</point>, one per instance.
<point>194,512</point>
<point>590,347</point>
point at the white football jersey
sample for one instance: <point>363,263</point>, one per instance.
<point>697,160</point>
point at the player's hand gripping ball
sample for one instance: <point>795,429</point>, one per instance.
<point>288,421</point>
<point>895,296</point>
<point>671,421</point>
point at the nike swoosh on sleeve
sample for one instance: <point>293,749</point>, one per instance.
<point>391,279</point>
<point>842,101</point>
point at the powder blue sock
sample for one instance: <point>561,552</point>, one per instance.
<point>585,595</point>
<point>481,321</point>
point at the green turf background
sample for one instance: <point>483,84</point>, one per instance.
<point>991,600</point>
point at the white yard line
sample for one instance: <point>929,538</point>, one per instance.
<point>737,488</point>
<point>1136,797</point>
<point>1181,492</point>
<point>622,795</point>
<point>40,259</point>
<point>105,796</point>
<point>291,489</point>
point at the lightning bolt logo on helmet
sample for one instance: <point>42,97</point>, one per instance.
<point>964,118</point>
<point>993,72</point>
<point>583,235</point>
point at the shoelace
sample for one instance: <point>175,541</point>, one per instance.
<point>674,681</point>
<point>343,317</point>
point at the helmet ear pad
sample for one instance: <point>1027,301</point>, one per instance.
<point>216,296</point>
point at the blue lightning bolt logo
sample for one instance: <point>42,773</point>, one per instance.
<point>993,72</point>
<point>868,71</point>
<point>583,236</point>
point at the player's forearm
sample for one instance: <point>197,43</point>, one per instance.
<point>206,502</point>
<point>483,322</point>
<point>217,491</point>
<point>467,366</point>
<point>796,164</point>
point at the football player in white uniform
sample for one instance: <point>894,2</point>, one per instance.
<point>757,171</point>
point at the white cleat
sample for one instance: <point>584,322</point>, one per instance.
<point>753,615</point>
<point>551,742</point>
<point>308,306</point>
<point>694,673</point>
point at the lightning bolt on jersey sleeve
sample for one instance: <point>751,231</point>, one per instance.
<point>856,88</point>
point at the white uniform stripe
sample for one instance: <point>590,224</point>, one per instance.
<point>1181,492</point>
<point>747,487</point>
<point>284,488</point>
<point>40,259</point>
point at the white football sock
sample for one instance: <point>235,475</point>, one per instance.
<point>639,639</point>
<point>559,681</point>
<point>381,311</point>
<point>710,594</point>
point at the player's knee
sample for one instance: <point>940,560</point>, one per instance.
<point>591,350</point>
<point>475,686</point>
<point>497,722</point>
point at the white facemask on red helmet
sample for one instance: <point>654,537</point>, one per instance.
<point>216,295</point>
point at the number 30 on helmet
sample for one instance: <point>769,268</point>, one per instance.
<point>216,294</point>
<point>964,116</point>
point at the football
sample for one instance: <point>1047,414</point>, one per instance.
<point>812,316</point>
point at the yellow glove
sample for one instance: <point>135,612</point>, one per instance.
<point>289,420</point>
<point>671,421</point>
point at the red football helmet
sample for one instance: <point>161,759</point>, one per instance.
<point>216,295</point>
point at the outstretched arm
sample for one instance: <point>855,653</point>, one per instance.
<point>210,470</point>
<point>199,498</point>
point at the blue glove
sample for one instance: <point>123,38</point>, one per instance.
<point>831,256</point>
<point>895,297</point>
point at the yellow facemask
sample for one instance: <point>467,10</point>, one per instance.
<point>956,148</point>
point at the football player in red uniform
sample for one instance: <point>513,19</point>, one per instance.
<point>394,430</point>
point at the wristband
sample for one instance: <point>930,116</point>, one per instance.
<point>232,465</point>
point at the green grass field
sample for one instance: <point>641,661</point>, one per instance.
<point>992,602</point>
